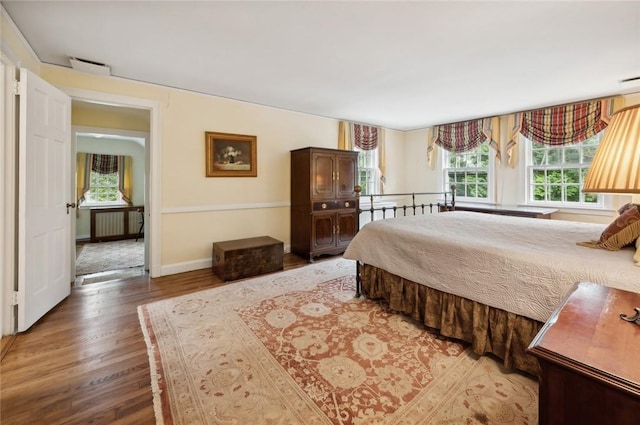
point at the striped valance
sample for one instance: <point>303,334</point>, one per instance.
<point>564,125</point>
<point>365,137</point>
<point>560,125</point>
<point>464,136</point>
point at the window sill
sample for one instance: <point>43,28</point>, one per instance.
<point>99,206</point>
<point>601,212</point>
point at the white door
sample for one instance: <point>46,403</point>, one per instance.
<point>44,220</point>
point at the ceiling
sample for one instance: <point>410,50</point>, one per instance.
<point>400,65</point>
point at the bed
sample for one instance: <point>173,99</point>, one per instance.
<point>487,279</point>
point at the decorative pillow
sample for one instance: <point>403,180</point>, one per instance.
<point>636,257</point>
<point>624,230</point>
<point>625,207</point>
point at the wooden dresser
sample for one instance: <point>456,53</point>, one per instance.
<point>589,359</point>
<point>324,216</point>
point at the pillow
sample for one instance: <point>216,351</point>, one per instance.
<point>636,257</point>
<point>625,207</point>
<point>624,230</point>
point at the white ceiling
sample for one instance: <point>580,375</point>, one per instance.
<point>400,65</point>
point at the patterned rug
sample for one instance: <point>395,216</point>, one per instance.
<point>105,256</point>
<point>297,348</point>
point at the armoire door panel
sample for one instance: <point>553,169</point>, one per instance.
<point>323,228</point>
<point>323,175</point>
<point>345,175</point>
<point>347,226</point>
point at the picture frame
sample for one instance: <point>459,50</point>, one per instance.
<point>230,155</point>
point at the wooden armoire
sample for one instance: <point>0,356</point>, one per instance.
<point>324,216</point>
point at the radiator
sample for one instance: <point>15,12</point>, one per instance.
<point>110,224</point>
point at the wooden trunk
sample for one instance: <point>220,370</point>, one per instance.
<point>241,258</point>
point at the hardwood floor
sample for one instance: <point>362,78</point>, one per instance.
<point>86,361</point>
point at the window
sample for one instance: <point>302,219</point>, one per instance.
<point>555,174</point>
<point>368,171</point>
<point>471,173</point>
<point>103,189</point>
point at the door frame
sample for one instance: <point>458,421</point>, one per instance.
<point>152,202</point>
<point>8,194</point>
<point>130,134</point>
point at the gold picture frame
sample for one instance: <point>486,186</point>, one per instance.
<point>230,155</point>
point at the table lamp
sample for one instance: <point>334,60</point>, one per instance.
<point>616,165</point>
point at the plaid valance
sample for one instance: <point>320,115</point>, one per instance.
<point>365,137</point>
<point>104,164</point>
<point>464,136</point>
<point>460,136</point>
<point>559,125</point>
<point>568,124</point>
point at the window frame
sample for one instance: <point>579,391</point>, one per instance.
<point>604,203</point>
<point>375,171</point>
<point>491,175</point>
<point>91,203</point>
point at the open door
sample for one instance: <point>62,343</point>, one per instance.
<point>44,198</point>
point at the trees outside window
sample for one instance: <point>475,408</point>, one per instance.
<point>470,171</point>
<point>555,174</point>
<point>103,189</point>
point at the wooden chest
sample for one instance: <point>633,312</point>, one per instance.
<point>241,258</point>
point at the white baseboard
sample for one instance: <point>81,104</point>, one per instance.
<point>83,237</point>
<point>189,266</point>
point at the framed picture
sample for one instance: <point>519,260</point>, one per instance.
<point>230,155</point>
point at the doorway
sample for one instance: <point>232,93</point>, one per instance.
<point>109,232</point>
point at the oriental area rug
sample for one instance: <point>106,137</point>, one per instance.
<point>296,347</point>
<point>103,256</point>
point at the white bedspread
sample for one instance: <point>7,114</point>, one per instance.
<point>521,265</point>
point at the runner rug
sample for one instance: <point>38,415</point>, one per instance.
<point>297,348</point>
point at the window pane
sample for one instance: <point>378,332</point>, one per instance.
<point>590,197</point>
<point>483,191</point>
<point>554,176</point>
<point>539,192</point>
<point>572,155</point>
<point>539,157</point>
<point>555,156</point>
<point>555,193</point>
<point>588,152</point>
<point>572,175</point>
<point>573,193</point>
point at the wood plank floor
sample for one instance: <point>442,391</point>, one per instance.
<point>86,361</point>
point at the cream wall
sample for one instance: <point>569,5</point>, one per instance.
<point>197,210</point>
<point>86,115</point>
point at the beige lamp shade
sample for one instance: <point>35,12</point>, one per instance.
<point>616,165</point>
